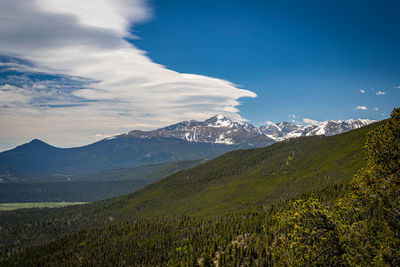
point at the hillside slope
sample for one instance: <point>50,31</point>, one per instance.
<point>242,178</point>
<point>245,177</point>
<point>239,189</point>
<point>186,140</point>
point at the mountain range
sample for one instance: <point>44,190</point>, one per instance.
<point>285,130</point>
<point>244,207</point>
<point>222,130</point>
<point>187,140</point>
<point>217,208</point>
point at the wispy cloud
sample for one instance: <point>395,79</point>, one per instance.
<point>361,107</point>
<point>120,84</point>
<point>398,86</point>
<point>310,121</point>
<point>380,93</point>
<point>292,116</point>
<point>362,91</point>
<point>376,109</point>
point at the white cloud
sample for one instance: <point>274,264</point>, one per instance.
<point>310,121</point>
<point>87,40</point>
<point>376,109</point>
<point>361,107</point>
<point>362,91</point>
<point>398,86</point>
<point>380,93</point>
<point>13,96</point>
<point>292,116</point>
<point>116,15</point>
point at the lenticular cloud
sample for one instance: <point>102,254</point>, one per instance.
<point>123,88</point>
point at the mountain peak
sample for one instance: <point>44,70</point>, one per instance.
<point>285,130</point>
<point>36,141</point>
<point>35,144</point>
<point>219,116</point>
<point>219,120</point>
<point>222,130</point>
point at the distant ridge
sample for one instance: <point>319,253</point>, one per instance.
<point>217,130</point>
<point>243,189</point>
<point>285,130</point>
<point>187,140</point>
<point>221,130</point>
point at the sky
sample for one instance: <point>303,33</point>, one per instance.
<point>73,72</point>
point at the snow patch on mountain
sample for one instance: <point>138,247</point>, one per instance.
<point>286,130</point>
<point>221,130</point>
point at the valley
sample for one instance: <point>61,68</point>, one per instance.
<point>232,196</point>
<point>88,187</point>
<point>152,133</point>
<point>24,205</point>
<point>122,164</point>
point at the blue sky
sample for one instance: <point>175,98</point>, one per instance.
<point>74,72</point>
<point>308,58</point>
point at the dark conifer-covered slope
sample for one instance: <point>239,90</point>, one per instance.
<point>235,210</point>
<point>243,178</point>
<point>89,187</point>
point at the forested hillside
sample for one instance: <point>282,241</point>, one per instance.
<point>90,187</point>
<point>294,203</point>
<point>244,178</point>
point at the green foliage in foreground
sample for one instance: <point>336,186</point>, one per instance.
<point>362,227</point>
<point>310,220</point>
<point>242,237</point>
<point>14,206</point>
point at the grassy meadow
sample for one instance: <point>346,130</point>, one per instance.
<point>14,206</point>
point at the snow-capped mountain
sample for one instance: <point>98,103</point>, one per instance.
<point>181,141</point>
<point>286,130</point>
<point>222,130</point>
<point>217,129</point>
